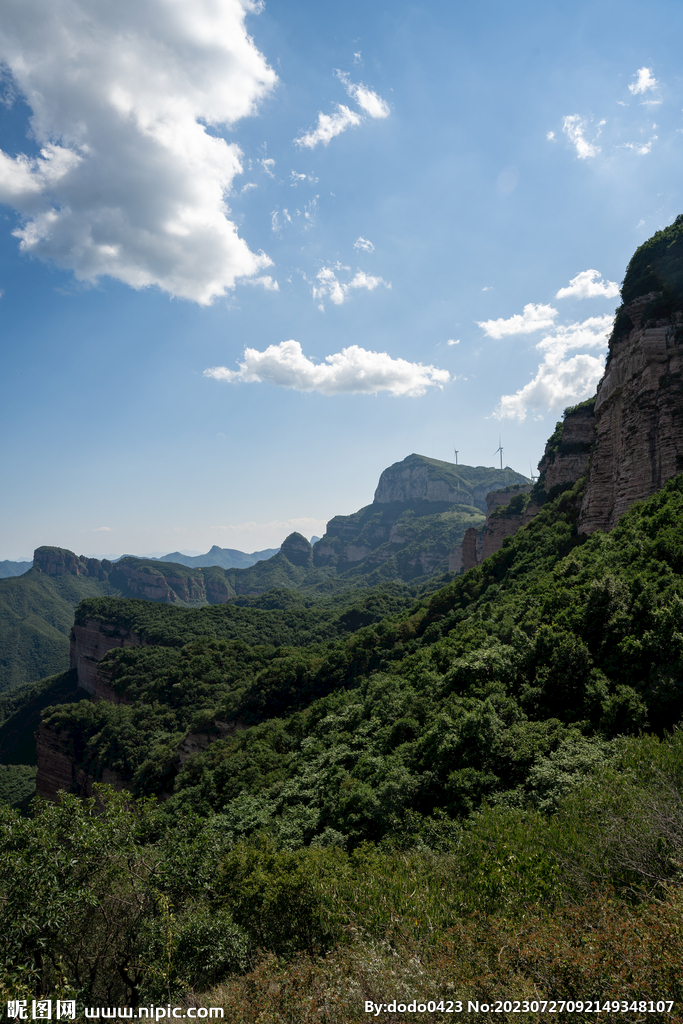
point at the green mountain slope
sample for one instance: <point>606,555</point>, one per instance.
<point>552,647</point>
<point>36,615</point>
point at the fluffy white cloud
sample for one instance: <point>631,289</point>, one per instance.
<point>328,126</point>
<point>562,379</point>
<point>587,285</point>
<point>367,100</point>
<point>574,127</point>
<point>363,245</point>
<point>645,80</point>
<point>337,291</point>
<point>452,341</point>
<point>354,370</point>
<point>129,183</point>
<point>267,166</point>
<point>534,318</point>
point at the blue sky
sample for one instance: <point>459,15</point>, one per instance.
<point>251,256</point>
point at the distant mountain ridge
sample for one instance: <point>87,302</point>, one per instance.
<point>8,568</point>
<point>227,558</point>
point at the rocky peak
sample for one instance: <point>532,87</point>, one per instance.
<point>297,550</point>
<point>60,561</point>
<point>418,478</point>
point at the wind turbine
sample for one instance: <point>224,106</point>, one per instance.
<point>456,455</point>
<point>499,449</point>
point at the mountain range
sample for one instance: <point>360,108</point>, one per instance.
<point>350,767</point>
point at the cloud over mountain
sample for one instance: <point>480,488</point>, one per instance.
<point>354,370</point>
<point>128,182</point>
<point>587,285</point>
<point>561,378</point>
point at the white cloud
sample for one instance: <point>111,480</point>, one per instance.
<point>357,58</point>
<point>550,136</point>
<point>641,148</point>
<point>266,282</point>
<point>128,182</point>
<point>452,342</point>
<point>534,318</point>
<point>275,220</point>
<point>645,80</point>
<point>574,126</point>
<point>267,166</point>
<point>328,126</point>
<point>296,178</point>
<point>364,245</point>
<point>354,370</point>
<point>587,285</point>
<point>562,379</point>
<point>337,291</point>
<point>367,100</point>
<point>102,529</point>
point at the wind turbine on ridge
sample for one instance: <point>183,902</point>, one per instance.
<point>499,449</point>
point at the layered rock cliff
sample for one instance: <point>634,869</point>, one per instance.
<point>639,404</point>
<point>567,452</point>
<point>59,770</point>
<point>90,641</point>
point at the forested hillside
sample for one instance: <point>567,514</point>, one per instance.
<point>450,777</point>
<point>36,615</point>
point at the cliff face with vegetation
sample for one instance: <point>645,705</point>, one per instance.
<point>415,525</point>
<point>496,751</point>
<point>639,407</point>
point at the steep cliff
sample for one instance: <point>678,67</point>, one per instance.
<point>639,404</point>
<point>58,769</point>
<point>567,451</point>
<point>90,641</point>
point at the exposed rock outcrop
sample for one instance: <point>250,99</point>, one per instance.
<point>568,450</point>
<point>196,742</point>
<point>506,518</point>
<point>58,770</point>
<point>60,561</point>
<point>418,478</point>
<point>469,549</point>
<point>639,416</point>
<point>90,641</point>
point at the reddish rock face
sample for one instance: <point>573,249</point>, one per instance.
<point>469,549</point>
<point>639,418</point>
<point>502,526</point>
<point>57,772</point>
<point>570,462</point>
<point>89,644</point>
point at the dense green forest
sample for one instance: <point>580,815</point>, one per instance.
<point>470,792</point>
